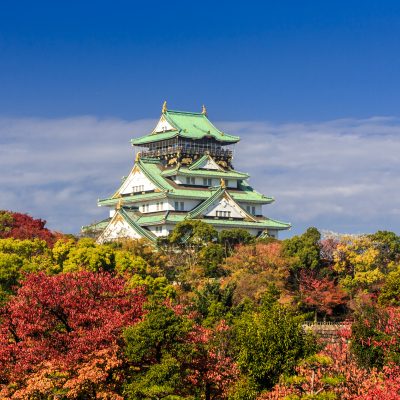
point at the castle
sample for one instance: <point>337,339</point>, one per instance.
<point>183,170</point>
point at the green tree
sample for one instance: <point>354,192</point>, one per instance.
<point>364,331</point>
<point>388,245</point>
<point>304,253</point>
<point>304,249</point>
<point>193,232</point>
<point>211,257</point>
<point>270,341</point>
<point>86,255</point>
<point>18,257</point>
<point>213,303</point>
<point>155,347</point>
<point>229,238</point>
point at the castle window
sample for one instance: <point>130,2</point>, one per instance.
<point>158,229</point>
<point>223,214</point>
<point>207,181</point>
<point>179,206</point>
<point>159,206</point>
<point>139,188</point>
<point>190,180</point>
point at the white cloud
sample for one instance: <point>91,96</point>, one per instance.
<point>342,175</point>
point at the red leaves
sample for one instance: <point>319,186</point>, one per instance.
<point>211,365</point>
<point>63,319</point>
<point>22,226</point>
<point>322,294</point>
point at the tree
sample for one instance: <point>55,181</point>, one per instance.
<point>175,358</point>
<point>18,257</point>
<point>211,258</point>
<point>193,232</point>
<point>69,325</point>
<point>269,342</point>
<point>321,295</point>
<point>89,256</point>
<point>252,268</point>
<point>229,238</point>
<point>388,245</point>
<point>375,336</point>
<point>22,226</point>
<point>390,292</point>
<point>330,374</point>
<point>304,250</point>
<point>356,260</point>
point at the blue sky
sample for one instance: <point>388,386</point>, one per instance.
<point>315,84</point>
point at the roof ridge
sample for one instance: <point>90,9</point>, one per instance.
<point>184,112</point>
<point>221,190</point>
<point>145,232</point>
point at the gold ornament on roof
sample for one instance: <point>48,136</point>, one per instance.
<point>204,110</point>
<point>223,184</point>
<point>164,107</point>
<point>137,158</point>
<point>119,204</point>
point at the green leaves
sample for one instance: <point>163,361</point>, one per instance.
<point>269,342</point>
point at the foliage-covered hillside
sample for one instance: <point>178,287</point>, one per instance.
<point>203,316</point>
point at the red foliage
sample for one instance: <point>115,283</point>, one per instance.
<point>211,367</point>
<point>22,226</point>
<point>62,321</point>
<point>321,294</point>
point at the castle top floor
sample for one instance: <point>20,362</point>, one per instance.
<point>186,134</point>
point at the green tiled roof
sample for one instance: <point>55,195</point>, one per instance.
<point>206,203</point>
<point>135,225</point>
<point>263,224</point>
<point>132,199</point>
<point>200,161</point>
<point>174,217</point>
<point>187,125</point>
<point>202,172</point>
<point>195,194</point>
<point>250,196</point>
<point>96,226</point>
<point>151,170</point>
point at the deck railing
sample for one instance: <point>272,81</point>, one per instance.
<point>186,150</point>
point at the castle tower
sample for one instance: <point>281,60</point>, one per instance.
<point>183,170</point>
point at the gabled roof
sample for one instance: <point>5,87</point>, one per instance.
<point>203,160</point>
<point>149,168</point>
<point>218,194</point>
<point>131,219</point>
<point>187,125</point>
<point>152,171</point>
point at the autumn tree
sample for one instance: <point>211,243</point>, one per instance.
<point>356,261</point>
<point>252,268</point>
<point>68,325</point>
<point>23,226</point>
<point>320,295</point>
<point>173,356</point>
